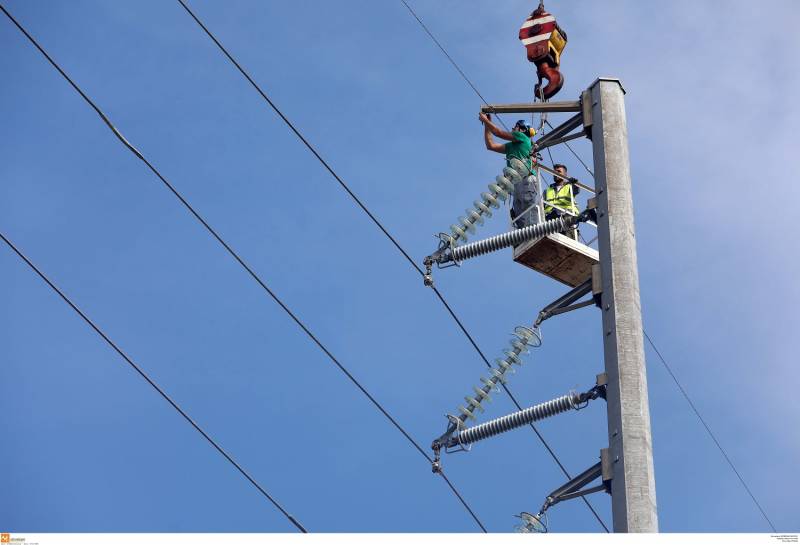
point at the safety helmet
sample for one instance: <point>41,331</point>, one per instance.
<point>525,127</point>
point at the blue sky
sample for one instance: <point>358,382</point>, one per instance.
<point>88,446</point>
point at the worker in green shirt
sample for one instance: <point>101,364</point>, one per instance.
<point>519,146</point>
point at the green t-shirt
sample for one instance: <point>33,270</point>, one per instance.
<point>519,148</point>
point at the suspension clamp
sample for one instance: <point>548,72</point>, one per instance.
<point>443,254</point>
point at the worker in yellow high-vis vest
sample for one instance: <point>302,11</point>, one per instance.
<point>560,196</point>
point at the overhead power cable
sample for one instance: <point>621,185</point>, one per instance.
<point>538,434</point>
<point>236,256</point>
<point>377,222</point>
<point>152,383</point>
<point>708,428</point>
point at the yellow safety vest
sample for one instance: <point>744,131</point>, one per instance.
<point>562,198</point>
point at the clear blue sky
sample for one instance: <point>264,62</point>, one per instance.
<point>88,446</point>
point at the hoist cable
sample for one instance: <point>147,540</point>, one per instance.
<point>708,429</point>
<point>150,381</point>
<point>533,427</point>
<point>233,253</point>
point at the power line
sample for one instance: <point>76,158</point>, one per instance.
<point>378,223</point>
<point>469,82</point>
<point>230,250</point>
<point>649,340</point>
<point>151,382</point>
<point>708,429</point>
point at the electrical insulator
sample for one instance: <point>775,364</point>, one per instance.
<point>499,190</point>
<point>522,338</point>
<point>532,523</point>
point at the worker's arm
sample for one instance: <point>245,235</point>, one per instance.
<point>491,145</point>
<point>494,129</point>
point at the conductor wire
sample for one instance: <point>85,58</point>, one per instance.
<point>151,382</point>
<point>233,253</point>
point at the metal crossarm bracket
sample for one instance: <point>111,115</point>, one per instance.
<point>574,488</point>
<point>532,107</point>
<point>561,133</point>
<point>565,302</point>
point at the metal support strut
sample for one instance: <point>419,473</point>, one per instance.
<point>574,488</point>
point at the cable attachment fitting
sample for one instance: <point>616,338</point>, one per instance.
<point>443,254</point>
<point>442,441</point>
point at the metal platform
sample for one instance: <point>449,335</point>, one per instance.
<point>558,257</point>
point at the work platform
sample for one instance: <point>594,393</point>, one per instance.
<point>559,257</point>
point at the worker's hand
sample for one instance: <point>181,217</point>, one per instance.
<point>485,118</point>
<point>573,180</point>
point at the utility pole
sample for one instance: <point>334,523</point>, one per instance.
<point>609,274</point>
<point>633,489</point>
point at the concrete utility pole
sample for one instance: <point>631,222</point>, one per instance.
<point>633,489</point>
<point>611,275</point>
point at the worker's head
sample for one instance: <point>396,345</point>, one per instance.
<point>523,127</point>
<point>562,171</point>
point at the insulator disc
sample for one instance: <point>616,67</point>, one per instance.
<point>490,200</point>
<point>504,182</point>
<point>474,216</point>
<point>467,224</point>
<point>481,394</point>
<point>474,402</point>
<point>482,208</point>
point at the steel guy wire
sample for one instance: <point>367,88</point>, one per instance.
<point>233,253</point>
<point>585,166</point>
<point>708,429</point>
<point>486,361</point>
<point>151,382</point>
<point>686,396</point>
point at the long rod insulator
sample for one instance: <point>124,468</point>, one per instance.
<point>515,420</point>
<point>511,238</point>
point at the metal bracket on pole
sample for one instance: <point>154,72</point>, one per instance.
<point>586,110</point>
<point>557,135</point>
<point>574,488</point>
<point>597,283</point>
<point>565,303</point>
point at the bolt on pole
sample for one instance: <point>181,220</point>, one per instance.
<point>633,490</point>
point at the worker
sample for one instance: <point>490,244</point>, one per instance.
<point>559,198</point>
<point>524,211</point>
